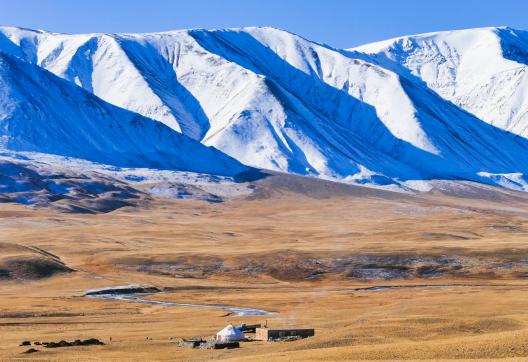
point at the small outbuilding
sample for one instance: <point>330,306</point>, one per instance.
<point>270,334</point>
<point>230,334</point>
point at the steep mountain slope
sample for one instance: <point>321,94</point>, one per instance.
<point>173,79</point>
<point>40,112</point>
<point>389,113</point>
<point>274,100</point>
<point>481,70</point>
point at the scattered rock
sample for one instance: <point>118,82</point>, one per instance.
<point>77,342</point>
<point>200,343</point>
<point>192,343</point>
<point>62,343</point>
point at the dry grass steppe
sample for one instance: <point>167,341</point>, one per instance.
<point>310,258</point>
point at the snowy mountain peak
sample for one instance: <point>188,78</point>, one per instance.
<point>40,112</point>
<point>480,70</point>
<point>437,105</point>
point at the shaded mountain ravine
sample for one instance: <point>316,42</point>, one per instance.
<point>424,107</point>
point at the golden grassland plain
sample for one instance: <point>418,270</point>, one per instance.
<point>263,253</point>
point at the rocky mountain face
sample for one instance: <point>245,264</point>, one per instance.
<point>435,106</point>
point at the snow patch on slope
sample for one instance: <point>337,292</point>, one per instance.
<point>481,70</point>
<point>381,115</point>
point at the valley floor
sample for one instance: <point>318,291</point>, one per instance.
<point>310,260</point>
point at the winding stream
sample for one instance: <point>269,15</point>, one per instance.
<point>137,294</point>
<point>376,288</point>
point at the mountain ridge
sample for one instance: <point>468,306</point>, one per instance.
<point>65,120</point>
<point>272,99</point>
<point>471,68</point>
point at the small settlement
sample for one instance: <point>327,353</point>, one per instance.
<point>231,336</point>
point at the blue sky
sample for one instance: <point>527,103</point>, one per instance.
<point>340,23</point>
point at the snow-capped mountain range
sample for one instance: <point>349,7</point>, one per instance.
<point>447,105</point>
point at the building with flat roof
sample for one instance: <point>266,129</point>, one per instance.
<point>266,334</point>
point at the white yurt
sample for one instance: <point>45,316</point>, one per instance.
<point>230,334</point>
